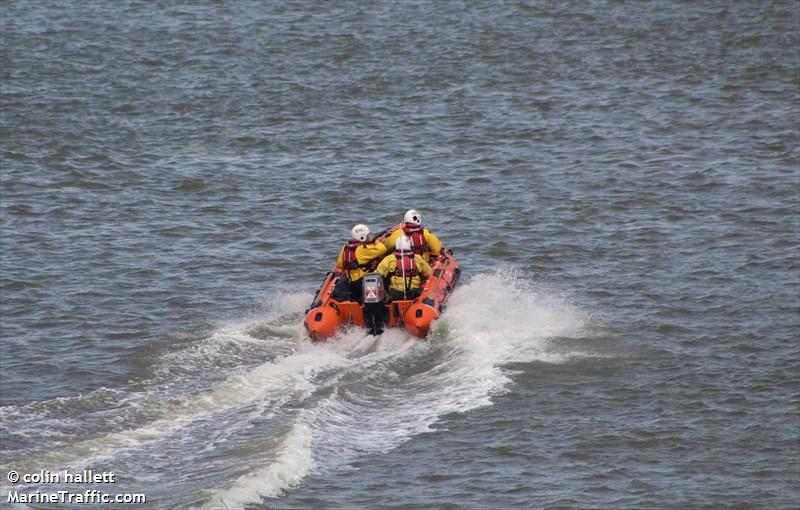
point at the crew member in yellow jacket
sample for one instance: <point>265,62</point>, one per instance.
<point>405,270</point>
<point>423,241</point>
<point>358,256</point>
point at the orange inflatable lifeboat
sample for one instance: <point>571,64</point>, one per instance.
<point>327,315</point>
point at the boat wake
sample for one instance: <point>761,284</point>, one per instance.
<point>252,409</point>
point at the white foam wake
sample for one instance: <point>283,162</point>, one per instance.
<point>252,409</point>
<point>502,317</point>
<point>403,387</point>
<point>191,383</point>
<point>294,462</point>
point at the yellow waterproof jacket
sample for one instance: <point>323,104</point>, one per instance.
<point>364,254</point>
<point>434,244</point>
<point>389,264</point>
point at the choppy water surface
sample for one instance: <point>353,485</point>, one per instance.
<point>618,179</point>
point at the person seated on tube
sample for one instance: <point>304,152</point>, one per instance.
<point>424,242</point>
<point>358,257</point>
<point>406,270</point>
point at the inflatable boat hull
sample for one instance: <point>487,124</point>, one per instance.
<point>327,315</point>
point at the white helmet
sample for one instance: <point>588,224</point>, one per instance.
<point>403,243</point>
<point>360,232</point>
<point>413,216</point>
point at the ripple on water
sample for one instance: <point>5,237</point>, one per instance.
<point>169,170</point>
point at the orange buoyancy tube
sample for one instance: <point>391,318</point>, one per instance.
<point>430,304</point>
<point>322,322</point>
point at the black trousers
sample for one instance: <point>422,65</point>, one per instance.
<point>346,290</point>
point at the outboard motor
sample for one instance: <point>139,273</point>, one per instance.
<point>374,296</point>
<point>373,288</point>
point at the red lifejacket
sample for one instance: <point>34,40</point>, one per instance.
<point>406,265</point>
<point>349,259</point>
<point>417,234</point>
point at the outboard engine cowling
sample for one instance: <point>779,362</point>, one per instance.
<point>373,288</point>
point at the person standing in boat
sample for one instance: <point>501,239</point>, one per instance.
<point>406,270</point>
<point>358,256</point>
<point>423,241</point>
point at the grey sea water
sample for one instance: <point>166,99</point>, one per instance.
<point>619,180</point>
